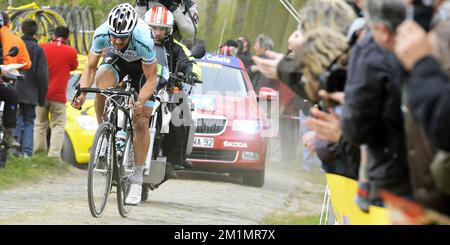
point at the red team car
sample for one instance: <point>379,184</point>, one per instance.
<point>229,135</point>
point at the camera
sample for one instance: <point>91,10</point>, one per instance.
<point>422,12</point>
<point>333,79</point>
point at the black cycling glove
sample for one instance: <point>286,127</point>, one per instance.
<point>191,78</point>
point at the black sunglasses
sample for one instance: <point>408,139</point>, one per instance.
<point>118,37</point>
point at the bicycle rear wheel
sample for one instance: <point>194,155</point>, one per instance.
<point>126,167</point>
<point>100,169</point>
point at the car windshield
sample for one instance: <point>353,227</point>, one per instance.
<point>73,80</point>
<point>221,80</point>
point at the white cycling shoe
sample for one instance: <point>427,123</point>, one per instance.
<point>134,195</point>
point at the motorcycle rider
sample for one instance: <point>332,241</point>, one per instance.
<point>9,94</point>
<point>185,14</point>
<point>161,20</point>
<point>130,51</point>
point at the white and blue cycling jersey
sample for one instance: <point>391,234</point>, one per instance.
<point>140,47</point>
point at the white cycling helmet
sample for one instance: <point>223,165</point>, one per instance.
<point>122,20</point>
<point>160,16</point>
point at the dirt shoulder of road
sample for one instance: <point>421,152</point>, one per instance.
<point>304,204</point>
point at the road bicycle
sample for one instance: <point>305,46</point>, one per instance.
<point>111,161</point>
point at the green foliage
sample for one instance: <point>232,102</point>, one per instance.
<point>259,16</point>
<point>27,170</point>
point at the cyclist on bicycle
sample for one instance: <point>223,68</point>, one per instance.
<point>129,51</point>
<point>161,20</point>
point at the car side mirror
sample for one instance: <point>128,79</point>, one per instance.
<point>268,94</point>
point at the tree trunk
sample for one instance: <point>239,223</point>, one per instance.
<point>240,15</point>
<point>211,12</point>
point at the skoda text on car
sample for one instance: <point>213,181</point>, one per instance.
<point>228,136</point>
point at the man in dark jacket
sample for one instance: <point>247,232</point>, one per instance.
<point>262,44</point>
<point>372,112</point>
<point>428,94</point>
<point>430,100</point>
<point>32,89</point>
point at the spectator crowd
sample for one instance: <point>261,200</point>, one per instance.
<point>373,78</point>
<point>36,100</point>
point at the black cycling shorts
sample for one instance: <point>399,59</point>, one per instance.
<point>121,68</point>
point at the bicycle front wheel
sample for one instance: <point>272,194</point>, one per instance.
<point>100,169</point>
<point>126,166</point>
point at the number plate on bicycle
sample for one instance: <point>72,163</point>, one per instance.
<point>203,142</point>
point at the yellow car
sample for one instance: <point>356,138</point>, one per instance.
<point>80,127</point>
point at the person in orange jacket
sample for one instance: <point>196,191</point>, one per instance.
<point>8,94</point>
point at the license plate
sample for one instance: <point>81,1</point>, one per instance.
<point>203,142</point>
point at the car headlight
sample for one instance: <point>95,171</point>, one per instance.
<point>87,122</point>
<point>245,126</point>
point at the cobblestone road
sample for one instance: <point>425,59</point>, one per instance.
<point>193,199</point>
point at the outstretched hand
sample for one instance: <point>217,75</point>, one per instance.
<point>268,66</point>
<point>326,125</point>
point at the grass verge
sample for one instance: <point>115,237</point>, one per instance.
<point>290,218</point>
<point>28,170</point>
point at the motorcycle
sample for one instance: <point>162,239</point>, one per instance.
<point>7,80</point>
<point>165,108</point>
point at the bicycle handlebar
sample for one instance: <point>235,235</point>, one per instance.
<point>106,91</point>
<point>109,91</point>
